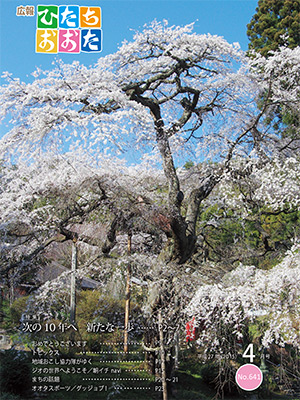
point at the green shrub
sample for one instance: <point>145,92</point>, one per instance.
<point>13,313</point>
<point>9,396</point>
<point>93,307</point>
<point>15,372</point>
<point>209,372</point>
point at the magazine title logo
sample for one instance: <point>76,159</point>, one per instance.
<point>66,28</point>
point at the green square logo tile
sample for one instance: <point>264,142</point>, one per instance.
<point>47,17</point>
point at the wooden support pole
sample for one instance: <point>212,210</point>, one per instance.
<point>177,347</point>
<point>162,357</point>
<point>127,296</point>
<point>73,283</point>
<point>1,304</point>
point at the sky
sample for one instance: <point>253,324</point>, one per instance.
<point>227,18</point>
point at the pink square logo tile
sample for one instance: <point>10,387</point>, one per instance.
<point>69,41</point>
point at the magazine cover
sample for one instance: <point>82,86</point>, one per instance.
<point>149,199</point>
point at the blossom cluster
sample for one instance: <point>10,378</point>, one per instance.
<point>249,295</point>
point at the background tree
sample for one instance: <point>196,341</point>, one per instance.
<point>60,202</point>
<point>276,23</point>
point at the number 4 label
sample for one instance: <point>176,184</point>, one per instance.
<point>248,353</point>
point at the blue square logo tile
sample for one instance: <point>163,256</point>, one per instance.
<point>68,17</point>
<point>91,40</point>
